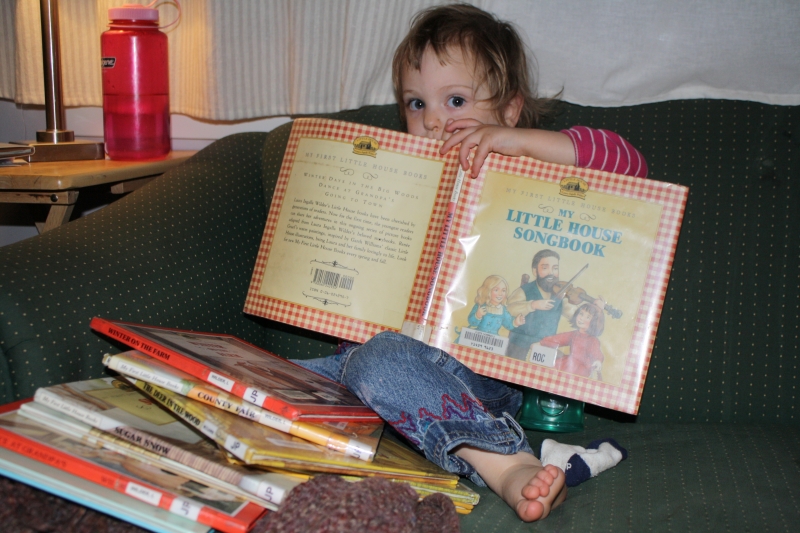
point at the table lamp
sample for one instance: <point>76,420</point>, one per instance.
<point>56,142</point>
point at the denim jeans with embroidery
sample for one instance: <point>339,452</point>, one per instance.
<point>428,396</point>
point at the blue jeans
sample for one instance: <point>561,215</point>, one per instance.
<point>432,399</point>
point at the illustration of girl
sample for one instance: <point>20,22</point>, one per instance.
<point>489,311</point>
<point>585,358</point>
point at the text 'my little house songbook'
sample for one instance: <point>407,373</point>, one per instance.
<point>548,276</point>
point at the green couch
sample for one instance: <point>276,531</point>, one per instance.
<point>714,447</point>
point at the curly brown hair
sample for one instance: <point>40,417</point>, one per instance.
<point>495,47</point>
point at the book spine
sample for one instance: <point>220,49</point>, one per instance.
<point>139,370</point>
<point>262,485</point>
<point>119,482</point>
<point>198,420</point>
<point>137,342</point>
<point>135,436</point>
<point>331,439</point>
<point>440,250</point>
<point>310,432</point>
<point>195,368</point>
<point>106,423</point>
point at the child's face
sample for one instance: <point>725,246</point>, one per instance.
<point>583,320</point>
<point>498,294</point>
<point>437,94</point>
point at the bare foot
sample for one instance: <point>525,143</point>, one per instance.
<point>520,479</point>
<point>535,489</point>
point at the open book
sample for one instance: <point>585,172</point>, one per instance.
<point>372,230</point>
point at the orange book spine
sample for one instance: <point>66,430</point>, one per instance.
<point>131,487</point>
<point>210,374</point>
<point>191,367</point>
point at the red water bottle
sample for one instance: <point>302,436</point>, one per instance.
<point>135,84</point>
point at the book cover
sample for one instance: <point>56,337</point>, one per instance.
<point>127,475</point>
<point>266,489</point>
<point>356,439</point>
<point>256,444</point>
<point>115,408</point>
<point>93,496</point>
<point>356,206</point>
<point>242,369</point>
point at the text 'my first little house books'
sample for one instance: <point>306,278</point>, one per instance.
<point>372,230</point>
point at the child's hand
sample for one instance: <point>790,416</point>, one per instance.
<point>481,312</point>
<point>550,146</point>
<point>519,321</point>
<point>484,138</point>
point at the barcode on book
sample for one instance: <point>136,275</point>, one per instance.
<point>483,341</point>
<point>332,280</point>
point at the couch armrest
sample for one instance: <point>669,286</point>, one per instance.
<point>178,252</point>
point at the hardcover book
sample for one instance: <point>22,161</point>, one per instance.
<point>94,496</point>
<point>120,412</point>
<point>548,276</point>
<point>127,475</point>
<point>356,439</point>
<point>244,370</point>
<point>255,444</point>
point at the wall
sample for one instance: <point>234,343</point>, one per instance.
<point>21,123</point>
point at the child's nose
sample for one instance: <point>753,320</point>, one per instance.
<point>433,122</point>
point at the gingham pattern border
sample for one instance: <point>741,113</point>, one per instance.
<point>627,395</point>
<point>325,321</point>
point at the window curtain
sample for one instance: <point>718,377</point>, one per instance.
<point>242,59</point>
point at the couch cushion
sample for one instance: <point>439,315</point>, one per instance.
<point>727,345</point>
<point>677,477</point>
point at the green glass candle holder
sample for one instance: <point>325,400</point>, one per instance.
<point>543,411</point>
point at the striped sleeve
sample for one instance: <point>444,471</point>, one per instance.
<point>605,150</point>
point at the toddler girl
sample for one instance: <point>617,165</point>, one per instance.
<point>461,76</point>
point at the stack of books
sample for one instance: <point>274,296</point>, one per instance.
<point>204,426</point>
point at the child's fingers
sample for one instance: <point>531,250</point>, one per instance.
<point>481,152</point>
<point>459,129</point>
<point>463,153</point>
<point>455,139</point>
<point>460,124</point>
<point>451,142</point>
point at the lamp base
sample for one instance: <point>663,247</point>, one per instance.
<point>542,411</point>
<point>64,151</point>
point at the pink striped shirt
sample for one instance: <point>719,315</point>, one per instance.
<point>605,150</point>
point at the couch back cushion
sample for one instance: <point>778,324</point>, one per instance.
<point>727,344</point>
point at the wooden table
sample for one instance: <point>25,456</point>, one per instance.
<point>59,183</point>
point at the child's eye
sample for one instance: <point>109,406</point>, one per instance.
<point>457,101</point>
<point>415,104</point>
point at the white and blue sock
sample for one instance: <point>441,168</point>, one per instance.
<point>580,464</point>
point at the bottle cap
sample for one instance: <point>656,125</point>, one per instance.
<point>133,12</point>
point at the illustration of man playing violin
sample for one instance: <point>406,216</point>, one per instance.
<point>535,300</point>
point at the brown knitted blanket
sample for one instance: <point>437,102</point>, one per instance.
<point>328,504</point>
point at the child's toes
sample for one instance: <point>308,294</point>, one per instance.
<point>554,471</point>
<point>532,491</point>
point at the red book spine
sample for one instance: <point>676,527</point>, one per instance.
<point>133,488</point>
<point>190,366</point>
